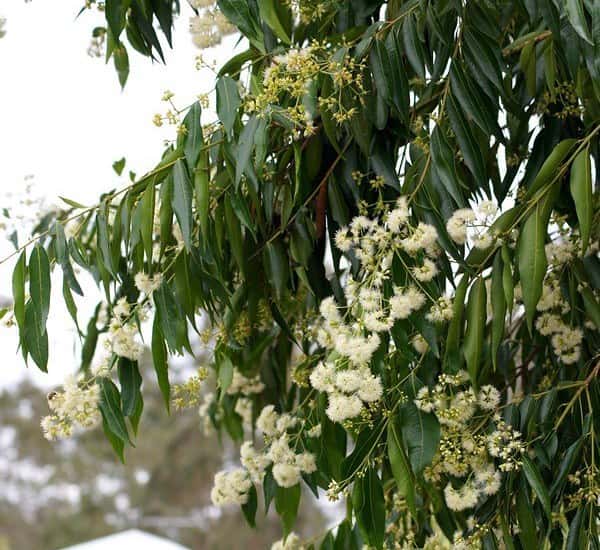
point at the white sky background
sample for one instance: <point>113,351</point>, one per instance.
<point>64,120</point>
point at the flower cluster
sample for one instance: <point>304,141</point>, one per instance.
<point>473,225</point>
<point>469,447</point>
<point>189,393</point>
<point>146,283</point>
<point>74,407</point>
<point>309,11</point>
<point>210,25</point>
<point>347,389</point>
<point>123,332</point>
<point>231,487</point>
<point>282,437</point>
<point>291,75</point>
<point>374,306</point>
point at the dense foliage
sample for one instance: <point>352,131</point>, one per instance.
<point>393,228</point>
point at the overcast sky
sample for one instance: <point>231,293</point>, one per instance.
<point>65,120</point>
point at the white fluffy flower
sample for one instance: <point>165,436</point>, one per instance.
<point>343,240</point>
<point>461,499</point>
<point>483,240</point>
<point>323,377</point>
<point>341,407</point>
<point>488,398</point>
<point>457,224</point>
<point>231,487</point>
<point>420,344</point>
<point>306,462</point>
<point>147,284</point>
<point>123,342</point>
<point>426,272</point>
<point>267,420</point>
<point>370,389</point>
<point>348,381</point>
<point>254,461</point>
<point>286,475</point>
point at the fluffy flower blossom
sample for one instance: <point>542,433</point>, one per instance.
<point>74,407</point>
<point>231,487</point>
<point>147,284</point>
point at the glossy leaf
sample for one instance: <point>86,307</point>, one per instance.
<point>581,191</point>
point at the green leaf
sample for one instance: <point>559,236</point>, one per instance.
<point>121,62</point>
<point>469,147</point>
<point>400,467</point>
<point>442,157</point>
<point>276,266</point>
<point>532,261</point>
<point>182,202</point>
<point>18,290</point>
<point>118,167</point>
<point>225,375</point>
<point>245,147</point>
<point>39,286</point>
<point>193,140</point>
<point>577,18</point>
<point>115,16</point>
<point>476,315</point>
<point>228,102</point>
<point>574,541</point>
<point>202,192</point>
<point>70,303</point>
<point>249,507</point>
<point>507,278</point>
<point>34,341</point>
<point>481,52</point>
<point>269,12</point>
<point>413,46</point>
<point>147,204</point>
<point>451,355</point>
<point>566,466</point>
<point>369,507</point>
<point>535,480</point>
<point>235,236</point>
<point>172,322</point>
<point>110,407</point>
<point>581,190</point>
<point>287,501</point>
<point>498,305</point>
<point>527,61</point>
<point>526,519</point>
<point>471,99</point>
<point>104,242</point>
<point>421,433</point>
<point>159,360</point>
<point>238,12</point>
<point>131,381</point>
<point>550,167</point>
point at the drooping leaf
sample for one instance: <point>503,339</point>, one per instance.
<point>532,261</point>
<point>369,507</point>
<point>535,480</point>
<point>39,286</point>
<point>581,191</point>
<point>474,334</point>
<point>193,139</point>
<point>159,360</point>
<point>421,434</point>
<point>228,102</point>
<point>182,201</point>
<point>110,407</point>
<point>401,467</point>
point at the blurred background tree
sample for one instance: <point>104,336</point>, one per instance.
<point>55,495</point>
